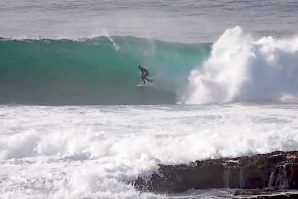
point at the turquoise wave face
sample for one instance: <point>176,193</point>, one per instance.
<point>97,71</point>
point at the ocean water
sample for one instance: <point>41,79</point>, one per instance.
<point>73,123</point>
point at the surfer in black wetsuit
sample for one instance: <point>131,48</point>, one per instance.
<point>145,74</point>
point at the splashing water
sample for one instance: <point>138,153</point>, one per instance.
<point>243,69</point>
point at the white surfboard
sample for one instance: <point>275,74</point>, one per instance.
<point>141,85</point>
<point>144,85</point>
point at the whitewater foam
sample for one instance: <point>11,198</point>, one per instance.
<point>67,152</point>
<point>243,69</point>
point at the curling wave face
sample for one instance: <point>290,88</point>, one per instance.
<point>101,70</point>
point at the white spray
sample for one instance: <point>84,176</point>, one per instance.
<point>242,69</point>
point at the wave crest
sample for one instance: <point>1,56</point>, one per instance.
<point>243,69</point>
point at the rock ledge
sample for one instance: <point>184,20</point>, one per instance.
<point>275,171</point>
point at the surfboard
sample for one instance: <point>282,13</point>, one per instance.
<point>144,85</point>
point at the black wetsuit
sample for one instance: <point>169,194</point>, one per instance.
<point>145,74</point>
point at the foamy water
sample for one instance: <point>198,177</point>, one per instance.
<point>91,152</point>
<point>242,68</point>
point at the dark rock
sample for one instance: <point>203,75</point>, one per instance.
<point>278,170</point>
<point>285,196</point>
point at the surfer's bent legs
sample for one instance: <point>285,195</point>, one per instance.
<point>144,77</point>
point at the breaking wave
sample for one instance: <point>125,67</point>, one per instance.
<point>241,68</point>
<point>99,71</point>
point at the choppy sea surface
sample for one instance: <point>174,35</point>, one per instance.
<point>73,124</point>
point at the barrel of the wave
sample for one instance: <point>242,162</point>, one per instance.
<point>95,71</point>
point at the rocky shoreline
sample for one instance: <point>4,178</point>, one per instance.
<point>282,196</point>
<point>266,172</point>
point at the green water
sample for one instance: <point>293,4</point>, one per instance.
<point>97,71</point>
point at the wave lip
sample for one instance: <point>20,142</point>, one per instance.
<point>243,69</point>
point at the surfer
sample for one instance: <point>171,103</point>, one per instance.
<point>145,74</point>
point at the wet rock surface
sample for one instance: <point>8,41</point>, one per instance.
<point>274,171</point>
<point>282,196</point>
